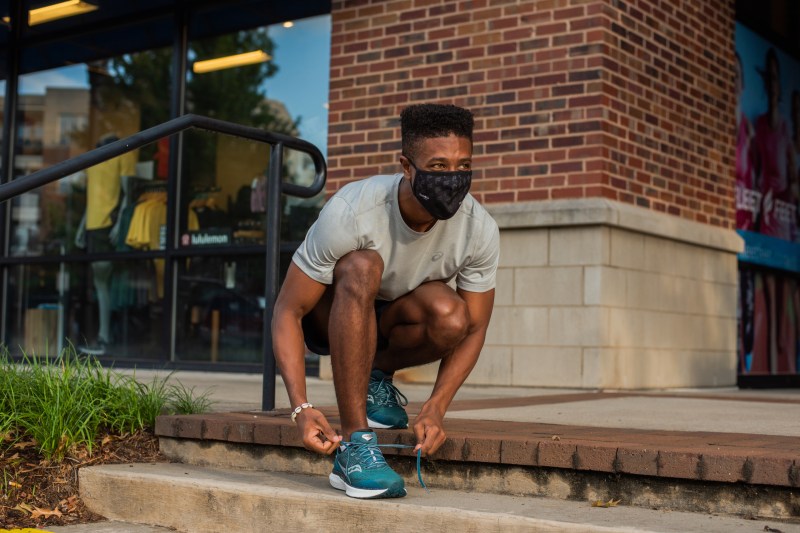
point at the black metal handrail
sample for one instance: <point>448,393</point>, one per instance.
<point>275,186</point>
<point>104,153</point>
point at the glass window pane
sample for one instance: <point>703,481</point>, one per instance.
<point>67,111</point>
<point>299,213</point>
<point>282,87</point>
<point>109,308</point>
<point>225,192</point>
<point>220,309</point>
<point>223,179</point>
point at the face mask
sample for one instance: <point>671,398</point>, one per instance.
<point>441,193</point>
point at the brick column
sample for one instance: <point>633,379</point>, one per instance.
<point>623,109</point>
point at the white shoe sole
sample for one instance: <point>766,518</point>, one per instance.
<point>353,492</point>
<point>377,425</point>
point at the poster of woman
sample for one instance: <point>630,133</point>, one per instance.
<point>767,201</point>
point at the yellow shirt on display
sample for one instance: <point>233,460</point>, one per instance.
<point>103,188</point>
<point>144,232</point>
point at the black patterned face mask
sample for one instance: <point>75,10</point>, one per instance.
<point>441,193</point>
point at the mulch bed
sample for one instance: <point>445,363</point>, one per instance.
<point>36,493</point>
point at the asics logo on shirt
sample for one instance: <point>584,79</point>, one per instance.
<point>437,256</point>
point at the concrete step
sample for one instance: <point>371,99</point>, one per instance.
<point>198,500</point>
<point>736,474</point>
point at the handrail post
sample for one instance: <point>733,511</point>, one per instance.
<point>174,179</point>
<point>18,23</point>
<point>273,238</point>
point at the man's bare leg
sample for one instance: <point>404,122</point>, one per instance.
<point>352,333</point>
<point>423,326</point>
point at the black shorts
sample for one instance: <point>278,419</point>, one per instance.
<point>99,241</point>
<point>320,346</point>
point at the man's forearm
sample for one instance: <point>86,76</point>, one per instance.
<point>454,370</point>
<point>287,335</point>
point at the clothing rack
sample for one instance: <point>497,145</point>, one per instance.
<point>205,190</point>
<point>142,186</point>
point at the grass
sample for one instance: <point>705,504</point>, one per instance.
<point>62,402</point>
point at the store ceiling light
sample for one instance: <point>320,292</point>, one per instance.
<point>70,8</point>
<point>237,60</point>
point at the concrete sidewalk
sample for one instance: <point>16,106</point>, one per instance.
<point>730,410</point>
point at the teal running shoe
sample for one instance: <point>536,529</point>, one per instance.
<point>360,470</point>
<point>385,403</point>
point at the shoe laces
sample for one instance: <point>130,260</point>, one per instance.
<point>387,394</point>
<point>366,454</point>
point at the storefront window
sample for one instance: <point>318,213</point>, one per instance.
<point>57,304</point>
<point>220,308</point>
<point>67,111</point>
<point>279,74</point>
<point>220,304</point>
<point>84,91</point>
<point>64,112</point>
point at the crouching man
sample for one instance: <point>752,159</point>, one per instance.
<point>372,285</point>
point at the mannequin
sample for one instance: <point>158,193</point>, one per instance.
<point>103,191</point>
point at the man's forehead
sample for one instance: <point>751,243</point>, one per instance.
<point>445,147</point>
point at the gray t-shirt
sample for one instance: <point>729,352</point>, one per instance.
<point>365,215</point>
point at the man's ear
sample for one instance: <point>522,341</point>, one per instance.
<point>406,166</point>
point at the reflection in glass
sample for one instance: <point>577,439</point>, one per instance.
<point>116,308</point>
<point>229,173</point>
<point>220,309</point>
<point>54,305</point>
<point>230,209</point>
<point>67,111</point>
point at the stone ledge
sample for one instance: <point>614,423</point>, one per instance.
<point>604,212</point>
<point>723,457</point>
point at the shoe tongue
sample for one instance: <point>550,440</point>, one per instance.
<point>379,374</point>
<point>364,437</point>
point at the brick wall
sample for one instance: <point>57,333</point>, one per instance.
<point>632,101</point>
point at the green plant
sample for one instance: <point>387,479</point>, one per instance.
<point>184,401</point>
<point>70,400</point>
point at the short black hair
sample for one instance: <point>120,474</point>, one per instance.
<point>427,121</point>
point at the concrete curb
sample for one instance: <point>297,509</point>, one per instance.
<point>199,500</point>
<point>648,492</point>
<point>721,457</point>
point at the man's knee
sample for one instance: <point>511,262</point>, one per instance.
<point>449,322</point>
<point>359,274</point>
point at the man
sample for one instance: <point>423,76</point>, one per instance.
<point>371,286</point>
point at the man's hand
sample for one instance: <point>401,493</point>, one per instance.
<point>428,427</point>
<point>318,436</point>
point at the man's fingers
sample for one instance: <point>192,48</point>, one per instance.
<point>315,443</point>
<point>434,447</point>
<point>328,447</point>
<point>419,432</point>
<point>329,433</point>
<point>319,436</point>
<point>429,438</point>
